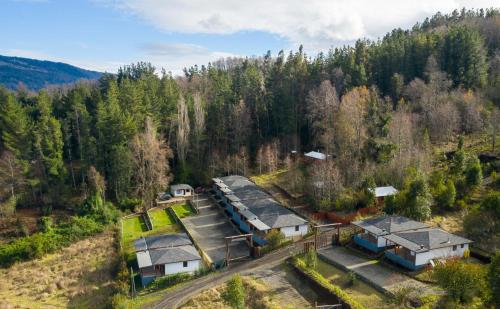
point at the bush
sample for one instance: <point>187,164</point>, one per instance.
<point>168,281</point>
<point>462,281</point>
<point>45,224</point>
<point>39,244</point>
<point>494,279</point>
<point>235,293</point>
<point>95,207</point>
<point>130,204</point>
<point>322,281</point>
<point>311,259</point>
<point>274,239</point>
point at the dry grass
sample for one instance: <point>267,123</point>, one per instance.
<point>452,222</point>
<point>79,276</point>
<point>258,295</point>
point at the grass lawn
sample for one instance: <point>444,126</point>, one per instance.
<point>360,291</point>
<point>183,210</point>
<point>267,178</point>
<point>133,228</point>
<point>160,218</point>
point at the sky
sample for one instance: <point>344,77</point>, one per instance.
<point>103,35</point>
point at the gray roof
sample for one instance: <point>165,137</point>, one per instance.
<point>384,191</point>
<point>164,249</point>
<point>426,239</point>
<point>315,155</point>
<point>174,255</point>
<point>162,241</point>
<point>389,224</point>
<point>181,186</point>
<point>232,198</point>
<point>262,205</point>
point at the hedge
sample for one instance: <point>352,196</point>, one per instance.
<point>322,281</point>
<point>39,244</point>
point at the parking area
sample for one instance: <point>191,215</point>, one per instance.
<point>209,228</point>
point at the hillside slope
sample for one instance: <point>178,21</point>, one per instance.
<point>36,74</point>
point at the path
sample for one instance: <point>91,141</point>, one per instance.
<point>381,277</point>
<point>178,295</point>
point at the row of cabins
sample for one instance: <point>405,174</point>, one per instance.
<point>254,211</point>
<point>165,255</point>
<point>409,243</point>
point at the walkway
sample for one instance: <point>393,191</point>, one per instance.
<point>379,276</point>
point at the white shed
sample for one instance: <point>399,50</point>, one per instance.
<point>181,190</point>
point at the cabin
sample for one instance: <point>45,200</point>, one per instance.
<point>418,248</point>
<point>382,192</point>
<point>181,190</point>
<point>254,211</point>
<point>167,254</point>
<point>373,230</point>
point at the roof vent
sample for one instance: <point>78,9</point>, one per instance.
<point>421,246</point>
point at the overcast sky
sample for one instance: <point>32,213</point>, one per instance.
<point>105,34</point>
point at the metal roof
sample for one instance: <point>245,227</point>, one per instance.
<point>389,224</point>
<point>426,239</point>
<point>232,198</point>
<point>315,155</point>
<point>216,180</point>
<point>261,226</point>
<point>181,186</point>
<point>239,205</point>
<point>248,214</point>
<point>143,259</point>
<point>384,191</point>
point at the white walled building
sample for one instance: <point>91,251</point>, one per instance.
<point>165,255</point>
<point>415,249</point>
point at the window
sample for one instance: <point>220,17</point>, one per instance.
<point>454,248</point>
<point>185,264</point>
<point>296,228</point>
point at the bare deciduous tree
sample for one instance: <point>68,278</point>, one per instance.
<point>150,156</point>
<point>322,106</point>
<point>11,173</point>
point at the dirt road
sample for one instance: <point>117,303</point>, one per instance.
<point>174,298</point>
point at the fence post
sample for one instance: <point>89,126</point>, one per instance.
<point>132,281</point>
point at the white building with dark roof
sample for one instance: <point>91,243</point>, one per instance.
<point>167,254</point>
<point>255,211</point>
<point>181,190</point>
<point>373,230</point>
<point>417,248</point>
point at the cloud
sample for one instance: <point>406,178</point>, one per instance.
<point>319,24</point>
<point>175,56</point>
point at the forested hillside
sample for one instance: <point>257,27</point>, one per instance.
<point>36,74</point>
<point>378,108</point>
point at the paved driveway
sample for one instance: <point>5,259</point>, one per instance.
<point>380,276</point>
<point>209,227</point>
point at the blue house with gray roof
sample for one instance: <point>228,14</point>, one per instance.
<point>255,211</point>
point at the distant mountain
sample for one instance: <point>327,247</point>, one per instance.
<point>36,74</point>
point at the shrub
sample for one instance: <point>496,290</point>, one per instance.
<point>39,244</point>
<point>274,239</point>
<point>235,293</point>
<point>322,281</point>
<point>167,281</point>
<point>473,173</point>
<point>462,281</point>
<point>352,278</point>
<point>311,259</point>
<point>494,278</point>
<point>45,224</point>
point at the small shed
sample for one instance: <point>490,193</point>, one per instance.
<point>181,190</point>
<point>315,155</point>
<point>382,192</point>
